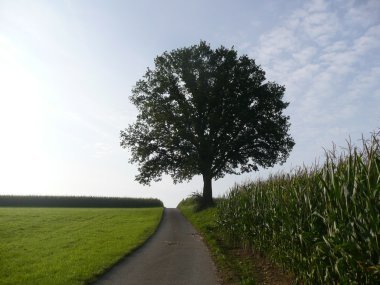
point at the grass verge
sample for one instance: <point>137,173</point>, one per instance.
<point>233,265</point>
<point>68,246</point>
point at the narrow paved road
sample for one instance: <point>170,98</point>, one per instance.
<point>175,255</point>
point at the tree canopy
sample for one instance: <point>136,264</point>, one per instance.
<point>206,112</point>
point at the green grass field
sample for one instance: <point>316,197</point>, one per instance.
<point>68,246</point>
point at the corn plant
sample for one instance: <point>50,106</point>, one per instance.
<point>321,223</point>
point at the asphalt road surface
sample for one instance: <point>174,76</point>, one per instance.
<point>175,255</point>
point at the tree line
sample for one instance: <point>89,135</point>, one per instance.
<point>78,202</point>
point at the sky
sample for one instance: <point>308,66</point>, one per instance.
<point>67,69</point>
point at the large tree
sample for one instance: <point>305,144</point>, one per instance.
<point>206,112</point>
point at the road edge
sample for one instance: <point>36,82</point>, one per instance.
<point>133,251</point>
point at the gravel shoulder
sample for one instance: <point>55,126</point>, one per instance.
<point>175,254</point>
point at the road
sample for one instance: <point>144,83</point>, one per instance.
<point>175,255</point>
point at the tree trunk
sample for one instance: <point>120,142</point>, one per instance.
<point>207,191</point>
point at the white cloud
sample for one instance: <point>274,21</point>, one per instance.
<point>305,55</point>
<point>335,47</point>
<point>320,27</point>
<point>363,14</point>
<point>331,75</point>
<point>369,41</point>
<point>365,84</point>
<point>277,43</point>
<point>316,6</point>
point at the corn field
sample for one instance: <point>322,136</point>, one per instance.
<point>321,223</point>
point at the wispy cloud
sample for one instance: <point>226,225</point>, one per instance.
<point>362,15</point>
<point>326,54</point>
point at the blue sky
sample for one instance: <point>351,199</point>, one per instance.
<point>67,69</point>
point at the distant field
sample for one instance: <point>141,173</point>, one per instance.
<point>68,246</point>
<point>77,202</point>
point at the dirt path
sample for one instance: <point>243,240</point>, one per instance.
<point>174,255</point>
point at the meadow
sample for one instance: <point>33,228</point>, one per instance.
<point>68,245</point>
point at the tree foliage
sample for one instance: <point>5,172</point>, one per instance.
<point>206,112</point>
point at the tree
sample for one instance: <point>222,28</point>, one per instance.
<point>206,112</point>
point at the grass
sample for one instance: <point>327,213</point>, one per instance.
<point>321,223</point>
<point>68,246</point>
<point>233,267</point>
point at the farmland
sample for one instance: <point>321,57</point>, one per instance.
<point>77,202</point>
<point>321,223</point>
<point>68,245</point>
<point>235,264</point>
<point>232,269</point>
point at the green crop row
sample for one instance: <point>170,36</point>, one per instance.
<point>77,202</point>
<point>321,223</point>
